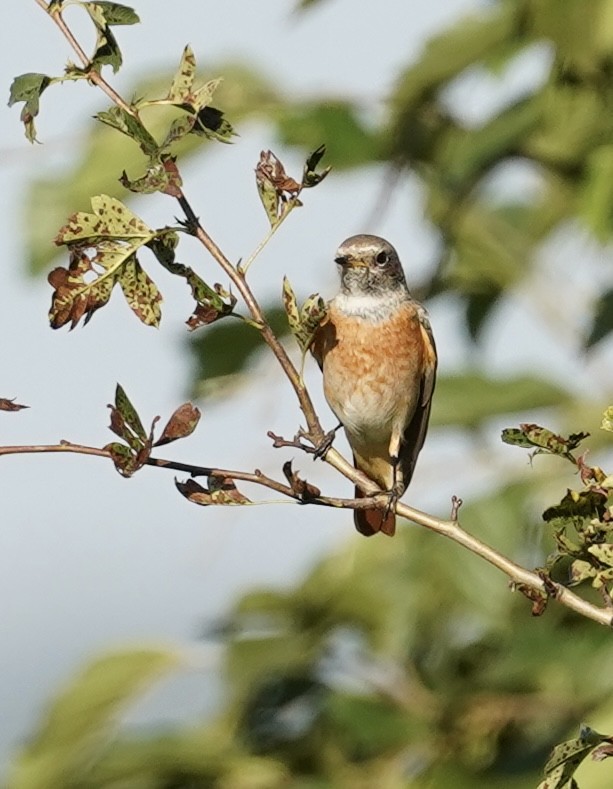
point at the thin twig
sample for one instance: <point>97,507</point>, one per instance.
<point>316,433</point>
<point>93,75</point>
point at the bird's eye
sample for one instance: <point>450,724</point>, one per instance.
<point>382,258</point>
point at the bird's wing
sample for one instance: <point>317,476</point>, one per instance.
<point>415,432</point>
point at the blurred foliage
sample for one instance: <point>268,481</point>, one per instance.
<point>380,669</point>
<point>404,663</point>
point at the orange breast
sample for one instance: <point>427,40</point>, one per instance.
<point>372,372</point>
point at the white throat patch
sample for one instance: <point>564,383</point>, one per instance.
<point>374,307</point>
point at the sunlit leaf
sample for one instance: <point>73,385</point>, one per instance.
<point>28,88</point>
<point>103,246</point>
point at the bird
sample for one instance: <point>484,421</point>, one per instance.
<point>378,357</point>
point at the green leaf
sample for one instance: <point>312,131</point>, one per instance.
<point>607,419</point>
<point>312,312</point>
<point>104,243</point>
<point>183,80</point>
<point>278,191</point>
<point>530,435</point>
<point>455,403</point>
<point>131,126</point>
<point>567,756</point>
<point>310,177</point>
<point>582,505</point>
<point>156,179</point>
<point>303,323</point>
<point>124,458</point>
<point>75,728</point>
<point>197,116</point>
<point>128,414</point>
<point>211,123</point>
<point>115,13</point>
<point>107,52</point>
<point>110,220</point>
<point>603,552</point>
<point>350,140</point>
<point>29,88</point>
<point>141,292</point>
<point>212,303</point>
<point>596,197</point>
<point>291,307</point>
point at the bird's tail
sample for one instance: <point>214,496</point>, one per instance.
<point>369,522</point>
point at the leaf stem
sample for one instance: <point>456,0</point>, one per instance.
<point>290,205</point>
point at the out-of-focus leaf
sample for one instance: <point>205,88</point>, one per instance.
<point>478,308</point>
<point>281,709</point>
<point>607,419</point>
<point>223,351</point>
<point>350,141</point>
<point>602,324</point>
<point>471,398</point>
<point>468,153</point>
<point>446,55</point>
<point>596,197</point>
<point>75,727</point>
<point>368,727</point>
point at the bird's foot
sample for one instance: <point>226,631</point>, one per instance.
<point>327,441</point>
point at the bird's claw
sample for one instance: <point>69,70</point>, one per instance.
<point>325,444</point>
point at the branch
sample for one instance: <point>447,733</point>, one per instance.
<point>448,528</point>
<point>315,431</point>
<point>92,74</point>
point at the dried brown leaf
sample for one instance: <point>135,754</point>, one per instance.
<point>221,490</point>
<point>10,405</point>
<point>182,423</point>
<point>300,487</point>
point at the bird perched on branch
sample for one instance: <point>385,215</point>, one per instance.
<point>378,358</point>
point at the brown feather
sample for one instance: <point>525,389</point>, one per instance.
<point>369,522</point>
